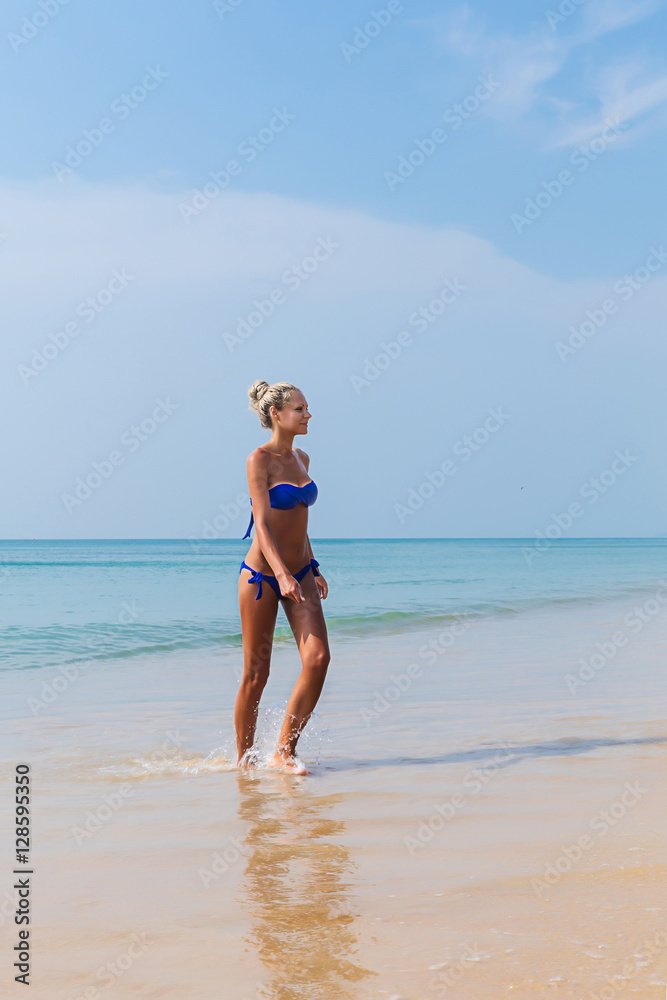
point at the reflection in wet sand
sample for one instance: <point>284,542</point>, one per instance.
<point>296,886</point>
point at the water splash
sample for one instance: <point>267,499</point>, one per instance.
<point>176,760</point>
<point>180,759</point>
<point>312,741</point>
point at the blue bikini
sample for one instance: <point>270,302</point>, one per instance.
<point>283,496</point>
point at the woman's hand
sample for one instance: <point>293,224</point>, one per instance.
<point>291,588</point>
<point>322,586</point>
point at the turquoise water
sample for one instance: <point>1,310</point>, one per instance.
<point>484,756</point>
<point>66,601</point>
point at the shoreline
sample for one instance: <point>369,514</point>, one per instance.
<point>422,848</point>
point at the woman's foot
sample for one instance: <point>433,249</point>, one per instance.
<point>249,759</point>
<point>290,764</point>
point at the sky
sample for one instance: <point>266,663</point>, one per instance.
<point>443,222</point>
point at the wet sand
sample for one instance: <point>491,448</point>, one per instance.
<point>486,833</point>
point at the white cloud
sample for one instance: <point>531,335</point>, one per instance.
<point>622,98</point>
<point>163,337</point>
<point>609,15</point>
<point>526,64</point>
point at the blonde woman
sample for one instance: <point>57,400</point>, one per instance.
<point>280,566</point>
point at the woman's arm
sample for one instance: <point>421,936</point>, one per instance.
<point>258,487</point>
<point>321,583</point>
<point>306,461</point>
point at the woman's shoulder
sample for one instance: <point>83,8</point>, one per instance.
<point>257,460</point>
<point>303,456</point>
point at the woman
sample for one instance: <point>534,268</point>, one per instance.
<point>280,555</point>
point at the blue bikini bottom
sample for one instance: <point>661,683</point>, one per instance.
<point>257,578</point>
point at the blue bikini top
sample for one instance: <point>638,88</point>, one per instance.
<point>284,496</point>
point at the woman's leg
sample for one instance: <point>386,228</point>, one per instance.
<point>310,631</point>
<point>258,623</point>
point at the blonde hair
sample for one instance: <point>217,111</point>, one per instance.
<point>263,396</point>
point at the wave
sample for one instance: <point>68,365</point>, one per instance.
<point>54,645</point>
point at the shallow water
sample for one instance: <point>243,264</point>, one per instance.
<point>479,827</point>
<point>74,601</point>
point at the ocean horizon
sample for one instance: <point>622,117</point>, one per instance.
<point>488,704</point>
<point>105,599</point>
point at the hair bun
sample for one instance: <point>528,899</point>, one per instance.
<point>256,391</point>
<point>263,396</point>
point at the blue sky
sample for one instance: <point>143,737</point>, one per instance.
<point>513,151</point>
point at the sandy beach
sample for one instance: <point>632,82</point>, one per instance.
<point>487,833</point>
<point>359,306</point>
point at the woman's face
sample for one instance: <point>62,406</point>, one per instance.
<point>294,415</point>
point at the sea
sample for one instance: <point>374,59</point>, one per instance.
<point>485,811</point>
<point>109,601</point>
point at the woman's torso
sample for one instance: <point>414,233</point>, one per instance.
<point>288,527</point>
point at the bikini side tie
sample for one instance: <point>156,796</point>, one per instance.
<point>256,577</point>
